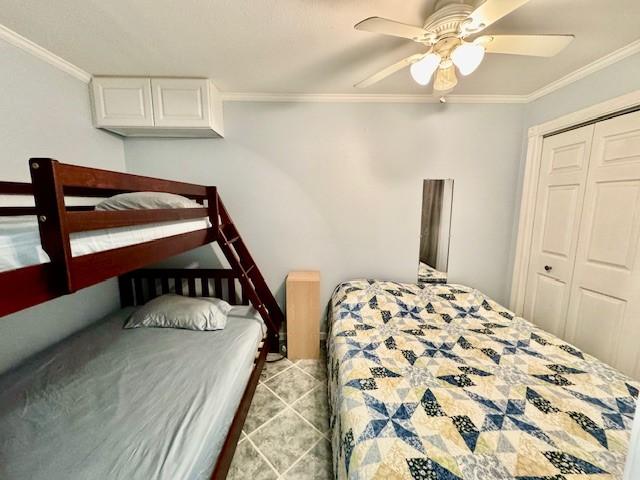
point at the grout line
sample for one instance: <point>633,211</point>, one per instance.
<point>264,457</point>
<point>303,455</point>
<point>306,394</point>
<point>294,411</point>
<point>270,420</point>
<point>280,372</point>
<point>288,406</point>
<point>304,371</point>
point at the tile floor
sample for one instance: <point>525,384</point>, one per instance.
<point>286,435</point>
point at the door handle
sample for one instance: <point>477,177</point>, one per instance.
<point>548,268</point>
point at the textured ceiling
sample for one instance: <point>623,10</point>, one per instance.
<point>302,46</point>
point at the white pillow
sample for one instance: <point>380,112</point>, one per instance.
<point>146,201</point>
<point>176,311</point>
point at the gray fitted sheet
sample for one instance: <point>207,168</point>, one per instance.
<point>109,403</point>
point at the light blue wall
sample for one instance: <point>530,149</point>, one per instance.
<point>45,112</point>
<point>337,187</point>
<point>616,80</point>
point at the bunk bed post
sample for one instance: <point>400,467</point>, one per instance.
<point>212,205</point>
<point>48,193</point>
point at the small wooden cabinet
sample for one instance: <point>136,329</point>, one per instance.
<point>303,315</point>
<point>157,107</point>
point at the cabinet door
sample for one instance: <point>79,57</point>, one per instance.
<point>604,312</point>
<point>119,102</point>
<point>181,102</point>
<point>563,173</point>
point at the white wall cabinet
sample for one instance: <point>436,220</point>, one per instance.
<point>157,107</point>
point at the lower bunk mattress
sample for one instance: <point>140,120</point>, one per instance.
<point>109,403</point>
<point>440,382</point>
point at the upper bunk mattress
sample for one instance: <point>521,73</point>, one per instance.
<point>20,239</point>
<point>109,403</point>
<point>441,382</point>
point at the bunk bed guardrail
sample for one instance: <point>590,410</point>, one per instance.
<point>50,180</point>
<point>53,181</point>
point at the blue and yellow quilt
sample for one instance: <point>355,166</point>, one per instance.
<point>442,383</point>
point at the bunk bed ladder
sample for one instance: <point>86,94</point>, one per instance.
<point>253,284</point>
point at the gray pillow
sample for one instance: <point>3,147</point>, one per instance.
<point>176,311</point>
<point>146,201</point>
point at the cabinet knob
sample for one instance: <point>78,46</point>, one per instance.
<point>548,268</point>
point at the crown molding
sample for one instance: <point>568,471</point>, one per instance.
<point>365,98</point>
<point>36,50</point>
<point>599,64</point>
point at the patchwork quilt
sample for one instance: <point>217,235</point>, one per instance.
<point>428,274</point>
<point>440,382</point>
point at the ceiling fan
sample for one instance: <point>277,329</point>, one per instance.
<point>450,37</point>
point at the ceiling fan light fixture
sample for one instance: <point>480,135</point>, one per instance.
<point>423,69</point>
<point>468,57</point>
<point>446,79</point>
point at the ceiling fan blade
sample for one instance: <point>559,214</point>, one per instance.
<point>384,73</point>
<point>488,12</point>
<point>393,28</point>
<point>533,45</point>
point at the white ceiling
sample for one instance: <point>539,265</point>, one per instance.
<point>302,46</point>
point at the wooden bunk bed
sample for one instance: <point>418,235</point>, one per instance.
<point>54,182</point>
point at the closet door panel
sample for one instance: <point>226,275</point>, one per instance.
<point>563,172</point>
<point>604,311</point>
<point>562,203</point>
<point>614,225</point>
<point>599,313</point>
<point>548,302</point>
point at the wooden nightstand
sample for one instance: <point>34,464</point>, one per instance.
<point>303,315</point>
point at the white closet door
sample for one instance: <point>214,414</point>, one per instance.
<point>563,173</point>
<point>604,312</point>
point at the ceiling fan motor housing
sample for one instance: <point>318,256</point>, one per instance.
<point>448,18</point>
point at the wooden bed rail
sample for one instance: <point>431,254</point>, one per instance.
<point>140,286</point>
<point>84,181</point>
<point>52,181</point>
<point>15,188</point>
<point>26,190</point>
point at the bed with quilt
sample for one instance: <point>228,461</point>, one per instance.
<point>441,382</point>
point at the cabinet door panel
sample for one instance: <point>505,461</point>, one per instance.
<point>181,102</point>
<point>122,102</point>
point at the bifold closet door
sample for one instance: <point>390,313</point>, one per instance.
<point>604,311</point>
<point>563,173</point>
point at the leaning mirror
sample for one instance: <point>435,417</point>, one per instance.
<point>435,229</point>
